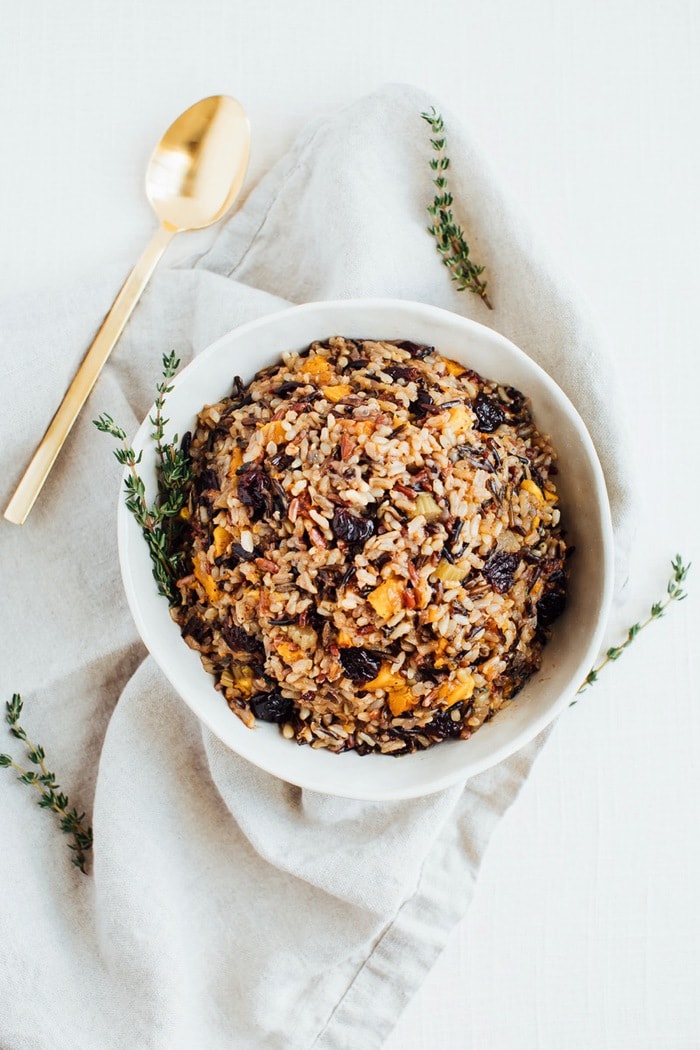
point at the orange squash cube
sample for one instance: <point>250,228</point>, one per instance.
<point>387,598</point>
<point>453,367</point>
<point>336,393</point>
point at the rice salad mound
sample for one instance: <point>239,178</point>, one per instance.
<point>375,547</point>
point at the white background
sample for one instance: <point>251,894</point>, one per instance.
<point>585,929</point>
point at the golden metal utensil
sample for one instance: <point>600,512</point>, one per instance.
<point>194,175</point>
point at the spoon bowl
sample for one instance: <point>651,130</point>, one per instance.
<point>197,169</point>
<point>194,175</point>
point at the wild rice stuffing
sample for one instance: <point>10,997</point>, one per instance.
<point>375,546</point>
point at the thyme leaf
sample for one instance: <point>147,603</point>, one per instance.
<point>674,593</point>
<point>51,797</point>
<point>450,239</point>
<point>161,522</point>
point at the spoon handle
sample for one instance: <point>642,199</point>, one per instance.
<point>85,378</point>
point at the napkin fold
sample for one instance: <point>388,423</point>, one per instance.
<point>227,908</point>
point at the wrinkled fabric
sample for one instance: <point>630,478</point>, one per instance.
<point>224,907</point>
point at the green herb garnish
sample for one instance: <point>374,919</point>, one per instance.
<point>450,239</point>
<point>161,522</point>
<point>50,797</point>
<point>674,593</point>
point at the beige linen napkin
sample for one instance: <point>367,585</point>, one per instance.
<point>226,908</point>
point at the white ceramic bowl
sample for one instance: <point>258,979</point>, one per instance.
<point>577,635</point>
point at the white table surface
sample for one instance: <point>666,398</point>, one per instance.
<point>585,929</point>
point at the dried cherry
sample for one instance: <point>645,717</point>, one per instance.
<point>499,570</point>
<point>409,373</point>
<point>352,528</point>
<point>417,350</point>
<point>361,665</point>
<point>255,493</point>
<point>550,607</point>
<point>271,707</point>
<point>489,414</point>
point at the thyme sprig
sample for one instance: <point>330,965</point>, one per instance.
<point>50,795</point>
<point>450,239</point>
<point>160,522</point>
<point>175,472</point>
<point>674,593</point>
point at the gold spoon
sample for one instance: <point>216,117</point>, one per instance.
<point>194,175</point>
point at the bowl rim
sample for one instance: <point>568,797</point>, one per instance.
<point>126,532</point>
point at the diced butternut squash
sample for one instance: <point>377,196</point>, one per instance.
<point>236,460</point>
<point>363,426</point>
<point>344,639</point>
<point>317,366</point>
<point>185,513</point>
<point>222,538</point>
<point>386,680</point>
<point>451,692</point>
<point>440,659</point>
<point>460,419</point>
<point>453,367</point>
<point>387,598</point>
<point>289,651</point>
<point>534,490</point>
<point>401,700</point>
<point>274,431</point>
<point>337,392</point>
<point>202,576</point>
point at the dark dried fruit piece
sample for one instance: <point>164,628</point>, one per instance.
<point>271,707</point>
<point>499,570</point>
<point>408,373</point>
<point>550,607</point>
<point>423,403</point>
<point>238,639</point>
<point>443,725</point>
<point>361,665</point>
<point>195,629</point>
<point>517,400</point>
<point>351,528</point>
<point>489,414</point>
<point>417,350</point>
<point>256,493</point>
